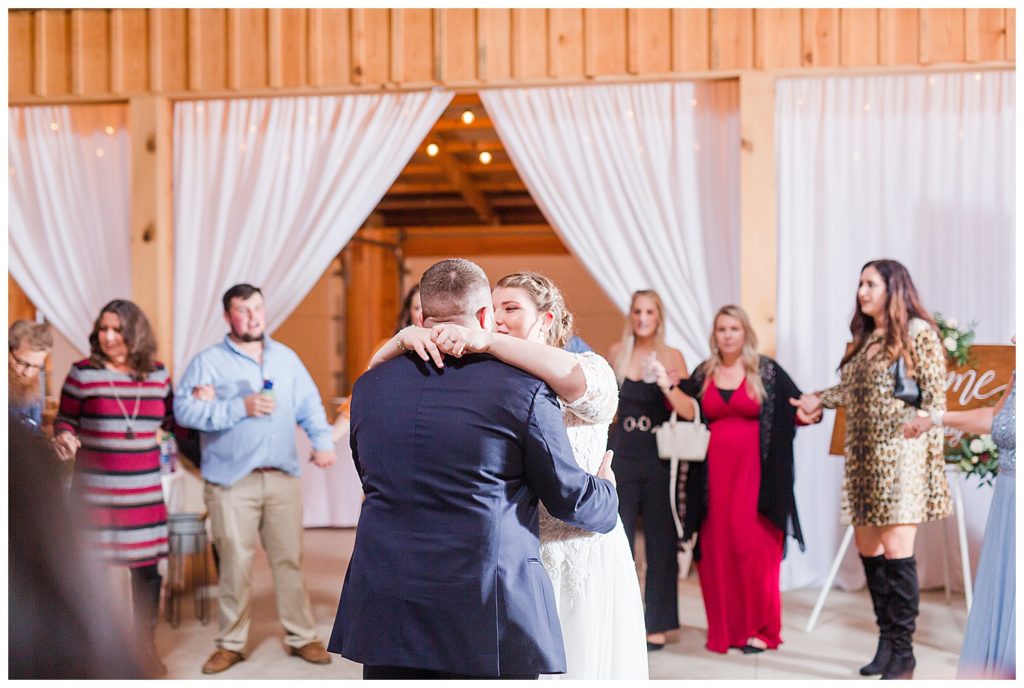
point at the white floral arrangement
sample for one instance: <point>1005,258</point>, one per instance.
<point>956,341</point>
<point>975,455</point>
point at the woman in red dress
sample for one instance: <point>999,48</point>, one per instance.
<point>740,500</point>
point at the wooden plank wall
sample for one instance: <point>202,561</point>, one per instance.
<point>91,53</point>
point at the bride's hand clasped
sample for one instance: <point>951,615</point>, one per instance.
<point>456,340</point>
<point>413,338</point>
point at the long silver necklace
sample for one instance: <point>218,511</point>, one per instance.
<point>130,432</point>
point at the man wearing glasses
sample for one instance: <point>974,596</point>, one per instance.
<point>28,345</point>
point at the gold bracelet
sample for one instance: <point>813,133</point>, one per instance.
<point>398,337</point>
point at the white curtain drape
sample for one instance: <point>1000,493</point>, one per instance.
<point>641,181</point>
<point>69,190</point>
<point>917,168</point>
<point>267,191</point>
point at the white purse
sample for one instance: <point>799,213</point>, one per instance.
<point>681,441</point>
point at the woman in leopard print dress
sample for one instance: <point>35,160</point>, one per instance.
<point>891,483</point>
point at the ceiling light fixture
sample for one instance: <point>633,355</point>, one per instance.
<point>432,149</point>
<point>468,116</point>
<point>485,157</point>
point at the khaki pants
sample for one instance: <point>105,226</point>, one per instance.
<point>267,505</point>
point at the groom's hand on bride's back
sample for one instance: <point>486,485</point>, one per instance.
<point>605,470</point>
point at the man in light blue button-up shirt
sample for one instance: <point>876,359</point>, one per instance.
<point>251,469</point>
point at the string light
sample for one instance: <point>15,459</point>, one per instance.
<point>629,113</point>
<point>931,81</point>
<point>696,148</point>
<point>199,109</point>
<point>693,102</point>
<point>99,152</point>
<point>867,107</point>
<point>977,77</point>
<point>432,149</point>
<point>252,128</point>
<point>242,146</point>
<point>312,120</point>
<point>485,157</point>
<point>468,116</point>
<point>54,126</point>
<point>109,129</point>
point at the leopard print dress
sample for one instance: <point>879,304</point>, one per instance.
<point>890,479</point>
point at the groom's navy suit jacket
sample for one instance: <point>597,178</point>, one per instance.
<point>446,573</point>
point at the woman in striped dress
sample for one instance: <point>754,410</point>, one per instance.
<point>112,407</point>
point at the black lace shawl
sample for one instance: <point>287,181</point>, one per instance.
<point>775,499</point>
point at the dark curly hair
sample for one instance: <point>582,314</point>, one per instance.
<point>138,337</point>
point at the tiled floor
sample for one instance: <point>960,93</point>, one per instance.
<point>843,639</point>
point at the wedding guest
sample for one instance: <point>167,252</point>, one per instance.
<point>643,478</point>
<point>412,309</point>
<point>740,499</point>
<point>60,623</point>
<point>251,470</point>
<point>112,408</point>
<point>990,642</point>
<point>28,345</point>
<point>891,483</point>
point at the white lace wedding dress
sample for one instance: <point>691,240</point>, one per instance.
<point>593,575</point>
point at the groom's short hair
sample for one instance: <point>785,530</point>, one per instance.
<point>453,287</point>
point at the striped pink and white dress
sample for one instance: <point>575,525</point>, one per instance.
<point>117,468</point>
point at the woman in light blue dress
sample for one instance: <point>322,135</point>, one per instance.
<point>989,649</point>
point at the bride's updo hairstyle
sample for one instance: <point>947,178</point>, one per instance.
<point>546,297</point>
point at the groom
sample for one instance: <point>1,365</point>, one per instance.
<point>445,579</point>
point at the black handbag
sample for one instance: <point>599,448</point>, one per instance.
<point>904,387</point>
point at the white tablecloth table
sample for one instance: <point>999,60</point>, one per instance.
<point>331,498</point>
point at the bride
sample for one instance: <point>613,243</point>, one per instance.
<point>593,575</point>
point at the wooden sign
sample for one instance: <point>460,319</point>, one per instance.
<point>980,383</point>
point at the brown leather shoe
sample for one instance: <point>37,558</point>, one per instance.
<point>313,652</point>
<point>220,660</point>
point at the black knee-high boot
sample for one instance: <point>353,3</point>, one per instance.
<point>878,586</point>
<point>904,600</point>
<point>146,584</point>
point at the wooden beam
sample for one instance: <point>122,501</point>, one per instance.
<point>456,146</point>
<point>403,188</point>
<point>459,178</point>
<point>450,200</point>
<point>19,305</point>
<point>372,281</point>
<point>152,230</point>
<point>481,240</point>
<point>758,229</point>
<point>456,124</point>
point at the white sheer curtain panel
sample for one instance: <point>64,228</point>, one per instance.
<point>267,191</point>
<point>916,168</point>
<point>69,189</point>
<point>641,181</point>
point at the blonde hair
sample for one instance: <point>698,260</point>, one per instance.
<point>751,359</point>
<point>546,297</point>
<point>628,340</point>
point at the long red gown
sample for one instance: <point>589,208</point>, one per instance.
<point>741,551</point>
